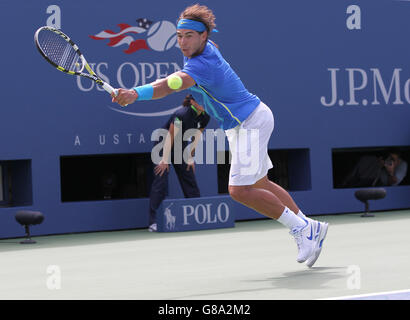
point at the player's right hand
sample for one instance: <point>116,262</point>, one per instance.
<point>124,97</point>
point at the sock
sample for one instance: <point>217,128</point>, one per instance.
<point>302,215</point>
<point>289,219</point>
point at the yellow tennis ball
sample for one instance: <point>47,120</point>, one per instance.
<point>174,82</point>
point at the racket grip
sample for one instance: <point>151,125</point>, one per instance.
<point>109,89</point>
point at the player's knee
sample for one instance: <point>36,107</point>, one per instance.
<point>238,193</point>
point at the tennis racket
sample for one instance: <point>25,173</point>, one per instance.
<point>62,53</point>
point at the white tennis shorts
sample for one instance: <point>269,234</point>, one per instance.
<point>248,143</point>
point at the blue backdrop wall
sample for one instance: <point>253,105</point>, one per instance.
<point>336,74</point>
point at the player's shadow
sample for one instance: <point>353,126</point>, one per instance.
<point>309,279</point>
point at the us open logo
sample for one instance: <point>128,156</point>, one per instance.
<point>146,35</point>
<point>130,39</point>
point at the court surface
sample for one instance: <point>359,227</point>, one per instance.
<point>363,258</point>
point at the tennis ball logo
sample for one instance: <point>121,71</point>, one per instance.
<point>162,36</point>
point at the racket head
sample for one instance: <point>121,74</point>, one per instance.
<point>59,50</point>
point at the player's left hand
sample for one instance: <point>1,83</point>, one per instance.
<point>124,97</point>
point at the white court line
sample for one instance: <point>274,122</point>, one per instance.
<point>369,295</point>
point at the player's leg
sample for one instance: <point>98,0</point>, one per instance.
<point>319,228</point>
<point>279,192</point>
<point>268,204</point>
<point>244,176</point>
<point>251,139</point>
<point>260,200</point>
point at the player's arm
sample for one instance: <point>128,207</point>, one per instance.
<point>155,90</point>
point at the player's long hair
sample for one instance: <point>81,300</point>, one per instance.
<point>200,13</point>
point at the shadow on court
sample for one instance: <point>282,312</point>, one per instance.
<point>311,279</point>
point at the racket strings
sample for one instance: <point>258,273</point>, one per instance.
<point>58,50</point>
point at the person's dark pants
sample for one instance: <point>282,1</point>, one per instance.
<point>159,188</point>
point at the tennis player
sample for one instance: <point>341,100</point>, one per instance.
<point>215,85</point>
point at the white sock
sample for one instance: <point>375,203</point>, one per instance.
<point>289,219</point>
<point>302,215</point>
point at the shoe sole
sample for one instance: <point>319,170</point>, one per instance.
<point>318,250</point>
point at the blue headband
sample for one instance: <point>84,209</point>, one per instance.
<point>192,25</point>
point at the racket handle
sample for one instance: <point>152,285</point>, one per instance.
<point>109,89</point>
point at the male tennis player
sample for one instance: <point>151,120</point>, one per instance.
<point>215,85</point>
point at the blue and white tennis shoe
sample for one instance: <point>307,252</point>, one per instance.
<point>320,235</point>
<point>305,240</point>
